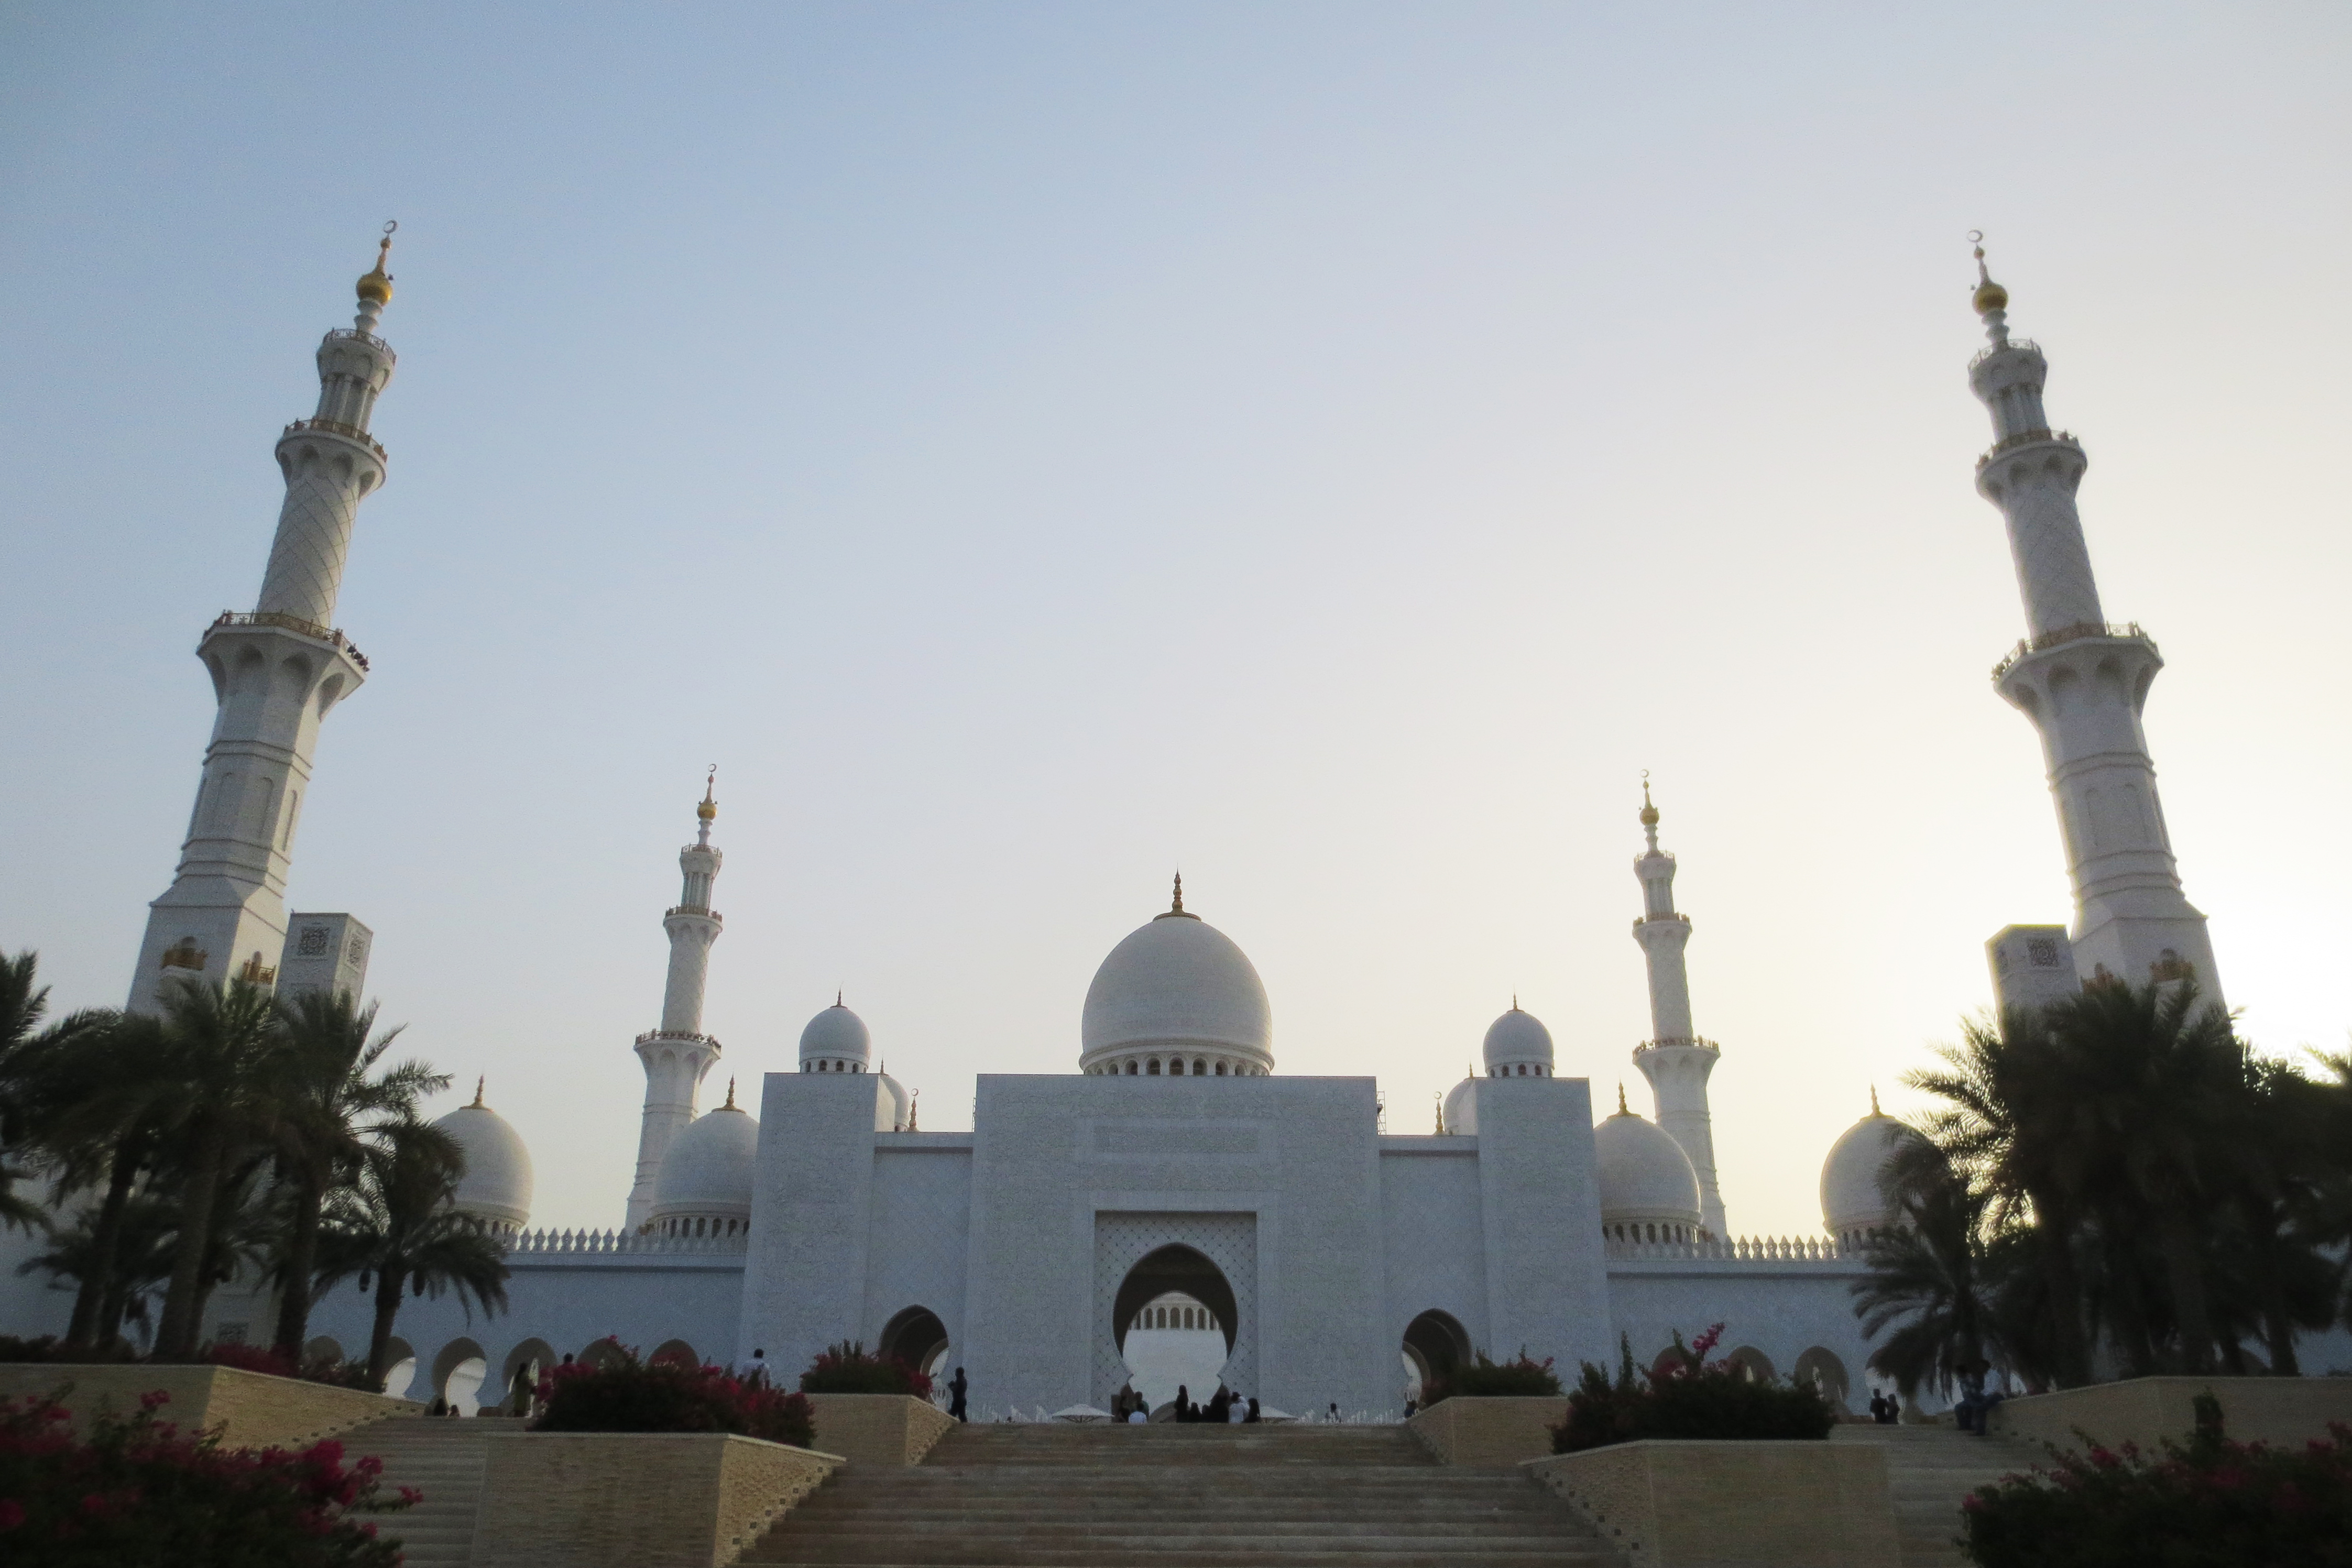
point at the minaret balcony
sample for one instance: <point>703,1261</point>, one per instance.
<point>1669,918</point>
<point>2040,642</point>
<point>337,427</point>
<point>293,624</point>
<point>652,1035</point>
<point>700,911</point>
<point>1693,1043</point>
<point>2009,346</point>
<point>2028,438</point>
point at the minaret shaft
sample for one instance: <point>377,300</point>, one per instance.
<point>678,1055</point>
<point>276,673</point>
<point>2083,684</point>
<point>1674,1060</point>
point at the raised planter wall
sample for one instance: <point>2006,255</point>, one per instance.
<point>1733,1505</point>
<point>636,1499</point>
<point>1483,1431</point>
<point>2144,1410</point>
<point>877,1430</point>
<point>252,1409</point>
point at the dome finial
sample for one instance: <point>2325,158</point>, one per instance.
<point>709,807</point>
<point>731,1096</point>
<point>479,1084</point>
<point>1990,299</point>
<point>1620,1100</point>
<point>914,1110</point>
<point>836,996</point>
<point>1873,1102</point>
<point>375,288</point>
<point>1178,906</point>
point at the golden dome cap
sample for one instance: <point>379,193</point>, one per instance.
<point>1990,296</point>
<point>709,809</point>
<point>1649,811</point>
<point>377,286</point>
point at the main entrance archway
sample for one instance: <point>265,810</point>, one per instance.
<point>1141,1257</point>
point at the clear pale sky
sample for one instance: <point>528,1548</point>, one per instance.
<point>1334,449</point>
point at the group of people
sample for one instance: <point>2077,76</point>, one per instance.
<point>1224,1408</point>
<point>1976,1401</point>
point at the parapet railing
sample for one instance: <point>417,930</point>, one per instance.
<point>354,335</point>
<point>337,427</point>
<point>2129,631</point>
<point>1734,1249</point>
<point>1695,1041</point>
<point>676,1034</point>
<point>702,909</point>
<point>544,1243</point>
<point>292,623</point>
<point>2025,344</point>
<point>2028,438</point>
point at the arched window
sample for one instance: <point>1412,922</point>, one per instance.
<point>1152,1068</point>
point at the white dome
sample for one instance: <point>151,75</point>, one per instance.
<point>1853,1202</point>
<point>1178,987</point>
<point>496,1184</point>
<point>1645,1177</point>
<point>708,1171</point>
<point>1517,1039</point>
<point>838,1038</point>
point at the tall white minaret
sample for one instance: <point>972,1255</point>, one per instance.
<point>678,1054</point>
<point>276,671</point>
<point>1674,1059</point>
<point>2083,682</point>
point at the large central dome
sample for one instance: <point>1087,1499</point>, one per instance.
<point>1177,997</point>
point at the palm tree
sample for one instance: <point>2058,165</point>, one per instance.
<point>338,1108</point>
<point>2003,1130</point>
<point>29,1057</point>
<point>396,1226</point>
<point>231,1081</point>
<point>2156,1099</point>
<point>1928,1274</point>
<point>127,1264</point>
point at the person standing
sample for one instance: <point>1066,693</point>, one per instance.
<point>957,1389</point>
<point>753,1374</point>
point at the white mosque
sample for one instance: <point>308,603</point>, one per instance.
<point>1174,1202</point>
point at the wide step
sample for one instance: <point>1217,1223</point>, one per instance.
<point>445,1460</point>
<point>1929,1471</point>
<point>1180,1497</point>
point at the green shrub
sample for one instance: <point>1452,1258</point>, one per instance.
<point>619,1392</point>
<point>847,1368</point>
<point>1696,1398</point>
<point>1485,1378</point>
<point>2211,1502</point>
<point>134,1493</point>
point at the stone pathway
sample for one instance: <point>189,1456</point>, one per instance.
<point>444,1461</point>
<point>1183,1497</point>
<point>1929,1469</point>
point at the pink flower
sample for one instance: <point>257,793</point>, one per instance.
<point>155,1400</point>
<point>410,1497</point>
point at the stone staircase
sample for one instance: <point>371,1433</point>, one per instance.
<point>1181,1497</point>
<point>1929,1469</point>
<point>444,1461</point>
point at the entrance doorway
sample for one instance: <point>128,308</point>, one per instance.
<point>1174,1321</point>
<point>1434,1344</point>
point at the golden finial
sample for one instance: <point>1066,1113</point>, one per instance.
<point>377,285</point>
<point>478,1084</point>
<point>709,807</point>
<point>1873,1102</point>
<point>1620,1101</point>
<point>1649,812</point>
<point>836,997</point>
<point>731,1096</point>
<point>1178,907</point>
<point>1990,296</point>
<point>914,1110</point>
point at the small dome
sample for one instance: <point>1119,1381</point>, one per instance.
<point>1853,1201</point>
<point>836,1038</point>
<point>497,1185</point>
<point>1178,985</point>
<point>1989,298</point>
<point>1645,1177</point>
<point>1518,1040</point>
<point>708,1171</point>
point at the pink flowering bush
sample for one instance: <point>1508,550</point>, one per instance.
<point>2211,1502</point>
<point>850,1368</point>
<point>619,1392</point>
<point>277,1363</point>
<point>134,1493</point>
<point>1687,1396</point>
<point>1484,1377</point>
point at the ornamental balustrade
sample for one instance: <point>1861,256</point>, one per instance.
<point>614,1243</point>
<point>2128,632</point>
<point>296,624</point>
<point>2022,345</point>
<point>337,427</point>
<point>2028,438</point>
<point>1734,1249</point>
